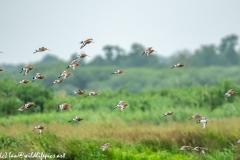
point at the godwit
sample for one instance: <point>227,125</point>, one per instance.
<point>73,64</point>
<point>167,113</point>
<point>40,128</point>
<point>82,56</point>
<point>23,81</point>
<point>195,116</point>
<point>105,146</point>
<point>148,51</point>
<point>58,81</point>
<point>63,106</point>
<point>200,149</point>
<point>178,65</point>
<point>121,105</point>
<point>78,91</point>
<point>204,121</point>
<point>42,49</point>
<point>185,148</point>
<point>93,93</point>
<point>88,41</point>
<point>118,72</point>
<point>38,76</point>
<point>65,74</point>
<point>27,106</point>
<point>230,92</point>
<point>76,119</point>
<point>26,69</point>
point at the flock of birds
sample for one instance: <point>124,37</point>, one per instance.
<point>122,105</point>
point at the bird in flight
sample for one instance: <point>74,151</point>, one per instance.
<point>117,72</point>
<point>26,69</point>
<point>78,91</point>
<point>73,64</point>
<point>148,51</point>
<point>204,121</point>
<point>76,119</point>
<point>178,65</point>
<point>230,92</point>
<point>63,106</point>
<point>25,81</point>
<point>39,127</point>
<point>82,56</point>
<point>105,146</point>
<point>42,49</point>
<point>195,116</point>
<point>84,43</point>
<point>38,76</point>
<point>167,113</point>
<point>200,149</point>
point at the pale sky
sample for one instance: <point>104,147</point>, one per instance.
<point>166,25</point>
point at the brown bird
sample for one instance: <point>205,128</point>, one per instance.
<point>184,148</point>
<point>73,64</point>
<point>148,51</point>
<point>27,106</point>
<point>78,91</point>
<point>84,43</point>
<point>65,74</point>
<point>58,81</point>
<point>40,128</point>
<point>200,149</point>
<point>38,76</point>
<point>105,146</point>
<point>2,70</point>
<point>76,119</point>
<point>167,113</point>
<point>230,92</point>
<point>195,116</point>
<point>92,94</point>
<point>121,105</point>
<point>82,56</point>
<point>42,49</point>
<point>63,106</point>
<point>118,72</point>
<point>23,81</point>
<point>26,69</point>
<point>178,65</point>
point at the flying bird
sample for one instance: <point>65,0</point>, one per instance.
<point>84,43</point>
<point>26,69</point>
<point>73,64</point>
<point>82,56</point>
<point>195,116</point>
<point>204,121</point>
<point>63,106</point>
<point>117,72</point>
<point>76,119</point>
<point>185,148</point>
<point>78,91</point>
<point>38,76</point>
<point>42,49</point>
<point>25,81</point>
<point>178,65</point>
<point>148,51</point>
<point>65,74</point>
<point>27,106</point>
<point>92,93</point>
<point>167,113</point>
<point>230,92</point>
<point>2,70</point>
<point>105,146</point>
<point>121,105</point>
<point>39,127</point>
<point>200,149</point>
<point>58,81</point>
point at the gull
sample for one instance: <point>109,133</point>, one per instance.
<point>63,106</point>
<point>25,81</point>
<point>148,51</point>
<point>78,91</point>
<point>73,64</point>
<point>84,43</point>
<point>76,119</point>
<point>82,56</point>
<point>204,121</point>
<point>65,74</point>
<point>200,149</point>
<point>26,69</point>
<point>230,92</point>
<point>40,128</point>
<point>178,65</point>
<point>195,116</point>
<point>105,146</point>
<point>42,49</point>
<point>167,113</point>
<point>117,72</point>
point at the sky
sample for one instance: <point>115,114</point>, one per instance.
<point>166,25</point>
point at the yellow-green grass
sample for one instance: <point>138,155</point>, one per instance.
<point>130,140</point>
